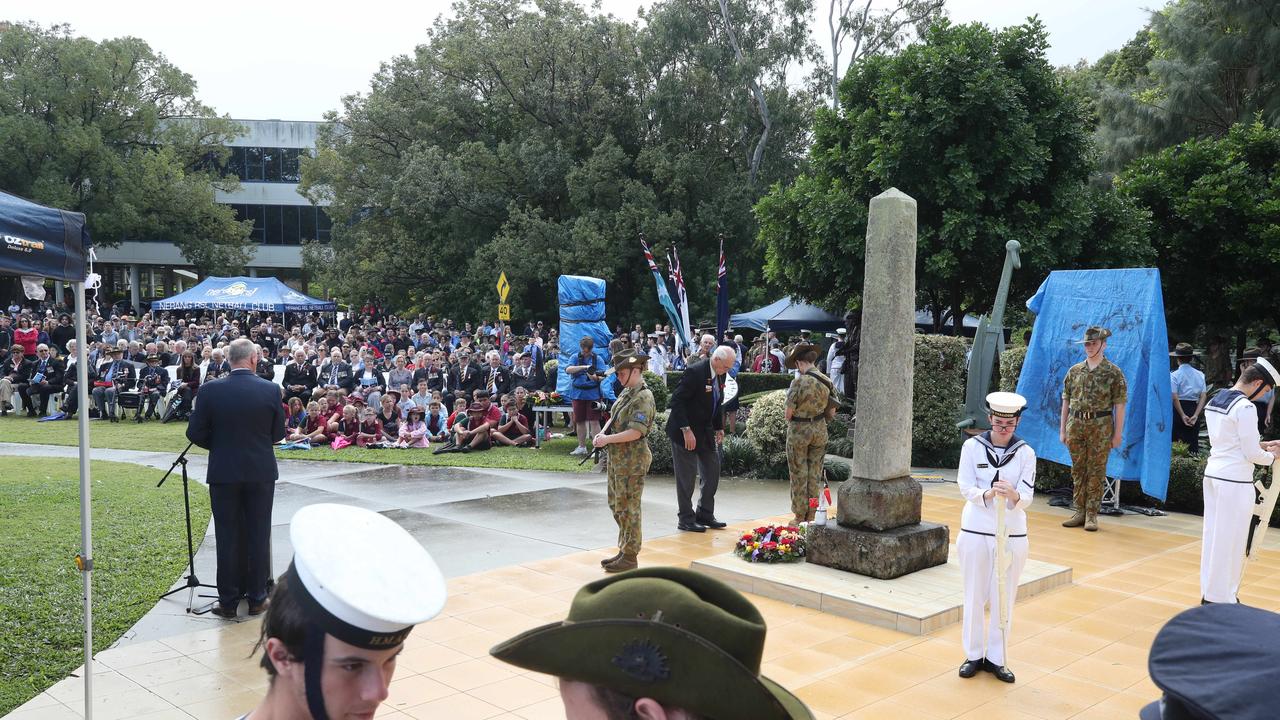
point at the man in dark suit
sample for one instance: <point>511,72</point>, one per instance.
<point>336,374</point>
<point>497,378</point>
<point>44,377</point>
<point>238,419</point>
<point>299,377</point>
<point>696,427</point>
<point>465,379</point>
<point>527,375</point>
<point>13,373</point>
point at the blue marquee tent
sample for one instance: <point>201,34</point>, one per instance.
<point>244,293</point>
<point>787,315</point>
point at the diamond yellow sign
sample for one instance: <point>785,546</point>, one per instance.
<point>504,312</point>
<point>504,288</point>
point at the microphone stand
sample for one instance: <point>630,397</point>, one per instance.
<point>192,582</point>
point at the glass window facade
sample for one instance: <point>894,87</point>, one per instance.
<point>285,224</point>
<point>265,164</point>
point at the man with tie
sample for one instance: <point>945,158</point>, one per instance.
<point>497,378</point>
<point>526,374</point>
<point>465,378</point>
<point>238,420</point>
<point>696,428</point>
<point>115,374</point>
<point>336,374</point>
<point>44,379</point>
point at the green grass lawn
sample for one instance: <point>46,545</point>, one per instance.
<point>153,436</point>
<point>140,549</point>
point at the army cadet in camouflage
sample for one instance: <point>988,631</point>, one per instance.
<point>1091,424</point>
<point>629,455</point>
<point>811,402</point>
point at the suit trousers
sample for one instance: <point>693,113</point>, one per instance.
<point>977,554</point>
<point>1228,510</point>
<point>705,460</point>
<point>1183,433</point>
<point>242,533</point>
<point>7,391</point>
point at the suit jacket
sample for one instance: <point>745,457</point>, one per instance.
<point>346,379</point>
<point>474,379</point>
<point>124,373</point>
<point>691,405</point>
<point>154,378</point>
<point>53,370</point>
<point>304,375</point>
<point>533,382</point>
<point>499,378</point>
<point>18,373</point>
<point>237,420</point>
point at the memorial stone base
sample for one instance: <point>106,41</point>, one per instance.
<point>881,554</point>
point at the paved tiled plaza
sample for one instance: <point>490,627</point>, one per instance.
<point>1079,652</point>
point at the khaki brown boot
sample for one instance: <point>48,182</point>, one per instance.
<point>622,564</point>
<point>608,560</point>
<point>1091,522</point>
<point>1076,520</point>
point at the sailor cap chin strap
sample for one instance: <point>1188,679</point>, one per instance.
<point>313,665</point>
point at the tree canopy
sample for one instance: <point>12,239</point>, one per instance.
<point>979,129</point>
<point>93,127</point>
<point>541,140</point>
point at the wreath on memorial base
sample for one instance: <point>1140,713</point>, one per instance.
<point>771,544</point>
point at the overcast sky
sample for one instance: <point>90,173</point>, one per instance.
<point>293,60</point>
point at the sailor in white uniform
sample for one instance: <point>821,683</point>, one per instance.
<point>1229,496</point>
<point>339,615</point>
<point>995,467</point>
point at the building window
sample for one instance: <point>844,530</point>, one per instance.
<point>266,164</point>
<point>252,164</point>
<point>285,224</point>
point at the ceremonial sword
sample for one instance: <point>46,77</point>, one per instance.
<point>1264,506</point>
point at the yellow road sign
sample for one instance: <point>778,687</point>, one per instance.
<point>504,312</point>
<point>504,288</point>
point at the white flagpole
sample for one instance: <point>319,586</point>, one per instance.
<point>85,560</point>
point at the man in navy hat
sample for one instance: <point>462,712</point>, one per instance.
<point>340,614</point>
<point>1229,496</point>
<point>996,468</point>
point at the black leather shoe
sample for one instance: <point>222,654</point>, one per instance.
<point>691,527</point>
<point>970,668</point>
<point>223,611</point>
<point>1002,673</point>
<point>711,522</point>
<point>257,608</point>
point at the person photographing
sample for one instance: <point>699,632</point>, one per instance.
<point>238,420</point>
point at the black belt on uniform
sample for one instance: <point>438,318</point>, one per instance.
<point>800,419</point>
<point>975,532</point>
<point>1238,482</point>
<point>1090,415</point>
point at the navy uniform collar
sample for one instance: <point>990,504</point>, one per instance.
<point>1015,442</point>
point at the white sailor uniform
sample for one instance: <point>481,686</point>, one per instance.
<point>980,461</point>
<point>1229,497</point>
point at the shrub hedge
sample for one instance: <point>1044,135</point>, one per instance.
<point>767,426</point>
<point>660,446</point>
<point>1011,367</point>
<point>661,394</point>
<point>739,456</point>
<point>938,393</point>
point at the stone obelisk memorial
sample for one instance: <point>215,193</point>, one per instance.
<point>878,531</point>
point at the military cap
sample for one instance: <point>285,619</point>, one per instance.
<point>624,359</point>
<point>1005,404</point>
<point>1094,333</point>
<point>1242,646</point>
<point>800,348</point>
<point>1183,350</point>
<point>153,356</point>
<point>115,351</point>
<point>671,634</point>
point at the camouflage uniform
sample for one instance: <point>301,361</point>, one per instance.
<point>807,399</point>
<point>1089,439</point>
<point>628,463</point>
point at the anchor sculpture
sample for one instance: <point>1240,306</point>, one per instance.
<point>988,343</point>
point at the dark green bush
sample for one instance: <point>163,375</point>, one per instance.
<point>835,471</point>
<point>661,394</point>
<point>841,446</point>
<point>660,446</point>
<point>1051,475</point>
<point>1186,488</point>
<point>739,456</point>
<point>839,427</point>
<point>938,393</point>
<point>1011,367</point>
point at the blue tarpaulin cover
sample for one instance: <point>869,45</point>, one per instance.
<point>1130,304</point>
<point>42,241</point>
<point>243,293</point>
<point>582,314</point>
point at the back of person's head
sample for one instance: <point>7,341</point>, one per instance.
<point>1256,372</point>
<point>240,353</point>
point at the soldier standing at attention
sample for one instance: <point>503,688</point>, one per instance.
<point>810,404</point>
<point>629,455</point>
<point>1189,397</point>
<point>1094,394</point>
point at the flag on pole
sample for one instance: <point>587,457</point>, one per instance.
<point>673,316</point>
<point>722,297</point>
<point>674,291</point>
<point>682,297</point>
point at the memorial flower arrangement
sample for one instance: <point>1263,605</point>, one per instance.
<point>771,544</point>
<point>547,398</point>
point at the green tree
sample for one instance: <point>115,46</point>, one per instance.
<point>1215,205</point>
<point>1201,67</point>
<point>113,130</point>
<point>541,140</point>
<point>979,129</point>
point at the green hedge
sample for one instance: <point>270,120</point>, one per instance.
<point>748,383</point>
<point>1011,367</point>
<point>661,394</point>
<point>660,446</point>
<point>938,394</point>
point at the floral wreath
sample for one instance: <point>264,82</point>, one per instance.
<point>771,544</point>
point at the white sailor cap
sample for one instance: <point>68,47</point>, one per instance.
<point>1005,404</point>
<point>361,577</point>
<point>1271,370</point>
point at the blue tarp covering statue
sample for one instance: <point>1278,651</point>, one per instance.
<point>1130,304</point>
<point>581,315</point>
<point>244,293</point>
